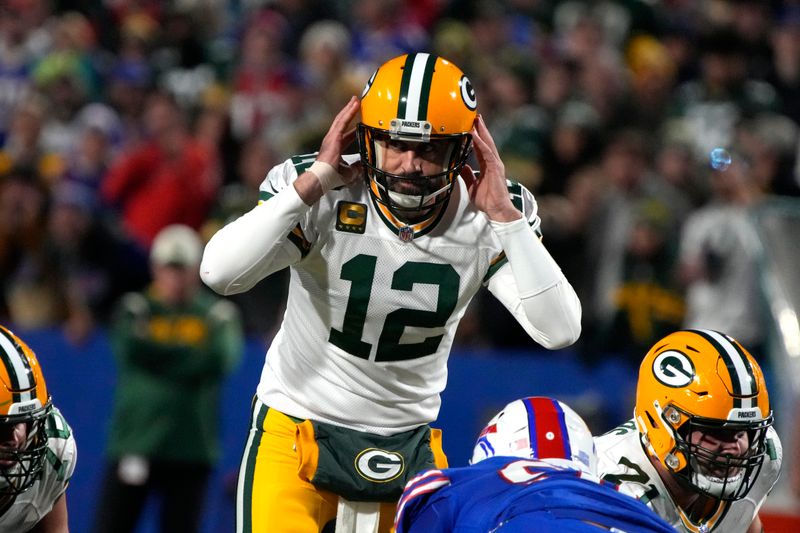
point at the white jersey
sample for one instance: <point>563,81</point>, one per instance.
<point>622,457</point>
<point>34,504</point>
<point>370,317</point>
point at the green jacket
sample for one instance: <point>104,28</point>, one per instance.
<point>171,366</point>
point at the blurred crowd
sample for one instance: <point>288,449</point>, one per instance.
<point>118,118</point>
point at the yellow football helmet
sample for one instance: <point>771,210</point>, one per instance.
<point>703,380</point>
<point>23,399</point>
<point>416,98</point>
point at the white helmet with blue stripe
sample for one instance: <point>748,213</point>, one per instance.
<point>538,427</point>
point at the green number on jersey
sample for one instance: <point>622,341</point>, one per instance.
<point>640,477</point>
<point>360,271</point>
<point>56,426</point>
<point>389,347</point>
<point>622,429</point>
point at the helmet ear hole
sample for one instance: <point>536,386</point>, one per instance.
<point>651,420</point>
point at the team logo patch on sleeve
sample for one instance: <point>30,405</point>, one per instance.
<point>351,217</point>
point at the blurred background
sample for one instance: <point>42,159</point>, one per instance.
<point>660,138</point>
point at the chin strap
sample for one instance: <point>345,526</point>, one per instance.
<point>720,489</point>
<point>410,201</point>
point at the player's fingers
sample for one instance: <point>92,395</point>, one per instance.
<point>348,137</point>
<point>482,150</point>
<point>477,142</point>
<point>347,113</point>
<point>468,175</point>
<point>485,136</point>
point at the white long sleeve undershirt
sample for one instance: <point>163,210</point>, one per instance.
<point>250,248</point>
<point>535,290</point>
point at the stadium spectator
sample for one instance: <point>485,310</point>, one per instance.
<point>170,179</point>
<point>174,343</point>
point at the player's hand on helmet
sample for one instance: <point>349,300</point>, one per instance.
<point>330,169</point>
<point>339,137</point>
<point>488,192</point>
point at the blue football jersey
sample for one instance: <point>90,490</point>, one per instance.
<point>511,495</point>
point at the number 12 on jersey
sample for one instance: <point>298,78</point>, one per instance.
<point>360,272</point>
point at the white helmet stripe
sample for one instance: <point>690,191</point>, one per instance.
<point>742,373</point>
<point>415,87</point>
<point>18,369</point>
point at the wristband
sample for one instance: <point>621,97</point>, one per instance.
<point>326,174</point>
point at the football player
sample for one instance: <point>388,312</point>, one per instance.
<point>37,449</point>
<point>533,468</point>
<point>387,248</point>
<point>701,449</point>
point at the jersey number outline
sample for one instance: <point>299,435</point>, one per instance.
<point>360,272</point>
<point>529,471</point>
<point>640,477</point>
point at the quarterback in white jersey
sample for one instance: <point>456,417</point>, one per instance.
<point>701,450</point>
<point>37,449</point>
<point>386,250</point>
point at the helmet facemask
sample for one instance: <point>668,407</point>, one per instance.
<point>413,197</point>
<point>20,467</point>
<point>719,475</point>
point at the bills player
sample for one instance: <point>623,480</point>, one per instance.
<point>386,249</point>
<point>533,469</point>
<point>701,449</point>
<point>37,449</point>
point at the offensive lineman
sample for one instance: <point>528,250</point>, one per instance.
<point>37,449</point>
<point>701,450</point>
<point>386,249</point>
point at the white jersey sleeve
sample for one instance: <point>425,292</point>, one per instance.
<point>275,234</point>
<point>268,238</point>
<point>623,460</point>
<point>59,465</point>
<point>530,284</point>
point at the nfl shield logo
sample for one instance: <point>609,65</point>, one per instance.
<point>406,233</point>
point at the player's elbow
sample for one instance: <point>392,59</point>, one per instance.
<point>555,315</point>
<point>562,337</point>
<point>213,280</point>
<point>214,276</point>
<point>570,329</point>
